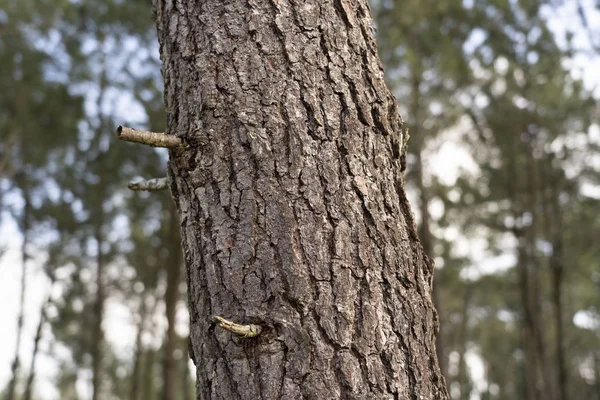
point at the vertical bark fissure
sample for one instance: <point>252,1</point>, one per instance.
<point>291,204</point>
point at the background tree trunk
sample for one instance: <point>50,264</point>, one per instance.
<point>97,333</point>
<point>173,267</point>
<point>292,205</point>
<point>25,225</point>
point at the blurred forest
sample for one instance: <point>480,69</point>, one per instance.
<point>503,172</point>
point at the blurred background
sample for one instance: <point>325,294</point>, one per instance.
<point>501,98</point>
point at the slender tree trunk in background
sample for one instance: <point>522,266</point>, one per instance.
<point>533,389</point>
<point>97,345</point>
<point>427,241</point>
<point>173,266</point>
<point>188,385</point>
<point>597,373</point>
<point>149,386</point>
<point>16,364</point>
<point>292,205</point>
<point>527,337</point>
<point>149,389</point>
<point>424,230</point>
<point>36,341</point>
<point>463,373</point>
<point>97,334</point>
<point>533,264</point>
<point>554,220</point>
<point>557,278</point>
<point>139,351</point>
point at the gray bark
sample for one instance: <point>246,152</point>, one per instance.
<point>292,207</point>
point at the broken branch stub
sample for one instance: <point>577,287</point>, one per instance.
<point>149,185</point>
<point>154,139</point>
<point>247,331</point>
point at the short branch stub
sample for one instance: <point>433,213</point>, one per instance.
<point>247,331</point>
<point>154,139</point>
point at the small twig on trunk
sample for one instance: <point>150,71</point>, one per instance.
<point>153,139</point>
<point>247,331</point>
<point>149,185</point>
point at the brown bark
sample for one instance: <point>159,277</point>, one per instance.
<point>292,205</point>
<point>173,267</point>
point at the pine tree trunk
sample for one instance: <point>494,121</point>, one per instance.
<point>292,205</point>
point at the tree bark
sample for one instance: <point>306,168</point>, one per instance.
<point>292,207</point>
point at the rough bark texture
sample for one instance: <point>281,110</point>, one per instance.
<point>292,206</point>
